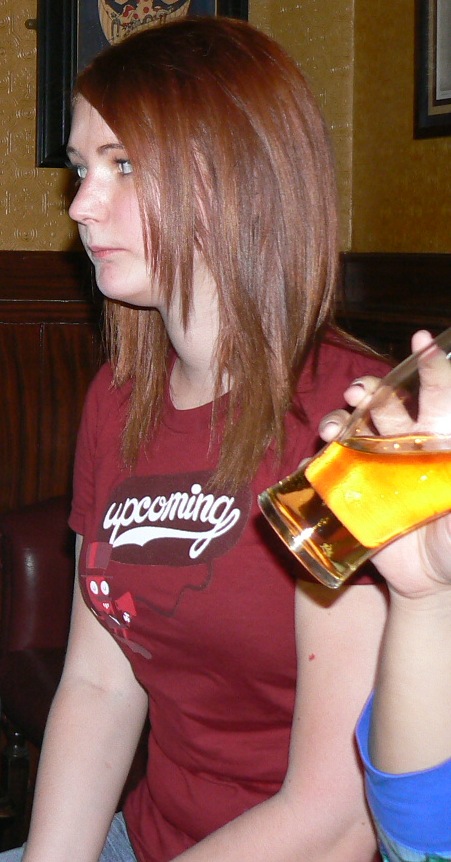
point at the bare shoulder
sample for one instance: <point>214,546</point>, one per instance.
<point>355,615</point>
<point>338,637</point>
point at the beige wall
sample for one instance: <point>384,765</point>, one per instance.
<point>401,186</point>
<point>319,34</point>
<point>32,201</point>
<point>358,55</point>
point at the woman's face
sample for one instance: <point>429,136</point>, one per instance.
<point>106,209</point>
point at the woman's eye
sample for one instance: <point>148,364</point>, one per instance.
<point>79,170</point>
<point>125,166</point>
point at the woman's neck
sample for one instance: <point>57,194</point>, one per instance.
<point>194,373</point>
<point>190,385</point>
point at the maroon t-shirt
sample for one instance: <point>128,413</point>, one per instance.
<point>199,593</point>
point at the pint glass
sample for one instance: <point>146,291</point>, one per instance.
<point>387,472</point>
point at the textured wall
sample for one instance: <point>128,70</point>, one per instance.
<point>395,192</point>
<point>319,34</point>
<point>32,201</point>
<point>401,186</point>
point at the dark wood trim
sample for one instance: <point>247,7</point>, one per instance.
<point>386,297</point>
<point>50,348</point>
<point>409,287</point>
<point>54,284</point>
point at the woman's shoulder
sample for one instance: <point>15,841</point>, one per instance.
<point>338,358</point>
<point>103,379</point>
<point>330,367</point>
<point>103,395</point>
<point>103,382</point>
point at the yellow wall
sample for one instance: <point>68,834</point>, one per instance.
<point>401,186</point>
<point>32,202</point>
<point>358,55</point>
<point>319,34</point>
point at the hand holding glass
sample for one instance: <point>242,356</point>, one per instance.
<point>388,472</point>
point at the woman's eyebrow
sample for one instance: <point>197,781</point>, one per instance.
<point>113,146</point>
<point>71,151</point>
<point>116,145</point>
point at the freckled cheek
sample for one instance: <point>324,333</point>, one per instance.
<point>134,216</point>
<point>83,235</point>
<point>131,221</point>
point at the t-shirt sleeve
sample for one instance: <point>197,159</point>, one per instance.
<point>412,811</point>
<point>85,452</point>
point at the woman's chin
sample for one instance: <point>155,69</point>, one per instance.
<point>117,294</point>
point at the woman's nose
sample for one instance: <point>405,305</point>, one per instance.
<point>87,204</point>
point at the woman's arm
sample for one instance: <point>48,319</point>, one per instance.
<point>91,735</point>
<point>411,727</point>
<point>320,813</point>
<point>404,734</point>
<point>405,731</point>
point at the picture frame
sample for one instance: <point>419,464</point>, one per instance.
<point>432,69</point>
<point>69,35</point>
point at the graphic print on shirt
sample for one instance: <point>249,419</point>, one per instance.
<point>157,541</point>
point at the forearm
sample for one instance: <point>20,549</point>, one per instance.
<point>284,829</point>
<point>411,810</point>
<point>410,726</point>
<point>320,813</point>
<point>89,743</point>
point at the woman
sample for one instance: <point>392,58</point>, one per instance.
<point>207,206</point>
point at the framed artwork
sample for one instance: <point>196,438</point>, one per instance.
<point>72,32</point>
<point>433,69</point>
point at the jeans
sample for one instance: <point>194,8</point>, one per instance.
<point>117,846</point>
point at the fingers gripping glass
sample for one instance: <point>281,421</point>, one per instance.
<point>387,472</point>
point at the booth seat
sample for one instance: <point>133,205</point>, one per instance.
<point>36,586</point>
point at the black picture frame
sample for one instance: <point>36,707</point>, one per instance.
<point>57,66</point>
<point>432,69</point>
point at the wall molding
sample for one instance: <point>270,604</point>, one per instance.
<point>50,347</point>
<point>49,351</point>
<point>386,297</point>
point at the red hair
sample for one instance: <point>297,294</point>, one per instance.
<point>230,156</point>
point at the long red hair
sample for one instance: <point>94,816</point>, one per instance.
<point>231,157</point>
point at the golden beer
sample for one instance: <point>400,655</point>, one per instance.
<point>356,496</point>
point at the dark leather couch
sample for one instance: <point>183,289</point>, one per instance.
<point>36,586</point>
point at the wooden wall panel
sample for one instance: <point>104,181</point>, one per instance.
<point>19,411</point>
<point>50,348</point>
<point>387,297</point>
<point>69,353</point>
<point>49,352</point>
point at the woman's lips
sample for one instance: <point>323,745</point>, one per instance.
<point>100,251</point>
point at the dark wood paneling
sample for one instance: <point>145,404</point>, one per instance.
<point>69,354</point>
<point>50,348</point>
<point>49,352</point>
<point>31,280</point>
<point>19,406</point>
<point>387,297</point>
